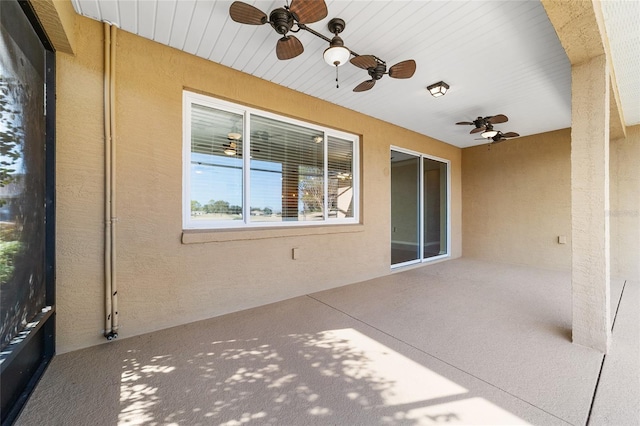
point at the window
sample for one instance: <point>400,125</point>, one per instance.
<point>244,168</point>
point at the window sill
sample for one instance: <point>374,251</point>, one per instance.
<point>198,236</point>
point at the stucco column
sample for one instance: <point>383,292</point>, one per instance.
<point>590,276</point>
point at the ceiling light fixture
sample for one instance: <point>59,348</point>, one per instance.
<point>336,54</point>
<point>488,133</point>
<point>230,149</point>
<point>438,89</point>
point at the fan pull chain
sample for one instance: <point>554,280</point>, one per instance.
<point>337,83</point>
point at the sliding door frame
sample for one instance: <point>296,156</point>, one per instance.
<point>421,201</point>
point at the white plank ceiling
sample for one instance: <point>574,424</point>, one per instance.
<point>499,57</point>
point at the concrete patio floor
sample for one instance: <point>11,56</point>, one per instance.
<point>458,342</point>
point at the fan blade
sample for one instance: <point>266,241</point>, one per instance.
<point>497,119</point>
<point>404,69</point>
<point>465,122</point>
<point>510,135</point>
<point>365,85</point>
<point>478,130</point>
<point>364,61</point>
<point>288,47</point>
<point>309,11</point>
<point>246,14</point>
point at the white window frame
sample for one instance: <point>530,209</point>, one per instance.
<point>190,98</point>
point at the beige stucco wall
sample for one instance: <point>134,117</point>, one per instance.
<point>161,281</point>
<point>58,17</point>
<point>517,200</point>
<point>624,175</point>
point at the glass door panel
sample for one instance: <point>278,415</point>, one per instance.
<point>435,208</point>
<point>419,208</point>
<point>405,208</point>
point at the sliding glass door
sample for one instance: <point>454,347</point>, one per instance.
<point>419,208</point>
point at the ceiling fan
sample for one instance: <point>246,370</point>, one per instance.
<point>377,68</point>
<point>294,18</point>
<point>231,147</point>
<point>282,20</point>
<point>501,137</point>
<point>483,124</point>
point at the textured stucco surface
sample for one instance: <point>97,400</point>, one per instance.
<point>57,17</point>
<point>590,251</point>
<point>581,30</point>
<point>517,201</point>
<point>595,107</point>
<point>517,197</point>
<point>162,282</point>
<point>578,25</point>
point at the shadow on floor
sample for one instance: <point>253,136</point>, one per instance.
<point>461,342</point>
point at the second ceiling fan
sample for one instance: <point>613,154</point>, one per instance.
<point>483,123</point>
<point>484,126</point>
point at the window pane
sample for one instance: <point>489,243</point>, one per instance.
<point>287,178</point>
<point>216,164</point>
<point>276,173</point>
<point>340,164</point>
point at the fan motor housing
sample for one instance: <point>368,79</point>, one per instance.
<point>479,122</point>
<point>281,20</point>
<point>377,72</point>
<point>336,25</point>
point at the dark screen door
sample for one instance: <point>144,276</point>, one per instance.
<point>26,203</point>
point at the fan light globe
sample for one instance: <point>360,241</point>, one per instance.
<point>488,134</point>
<point>336,55</point>
<point>230,149</point>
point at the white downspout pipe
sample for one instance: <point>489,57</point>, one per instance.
<point>114,216</point>
<point>107,182</point>
<point>111,301</point>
